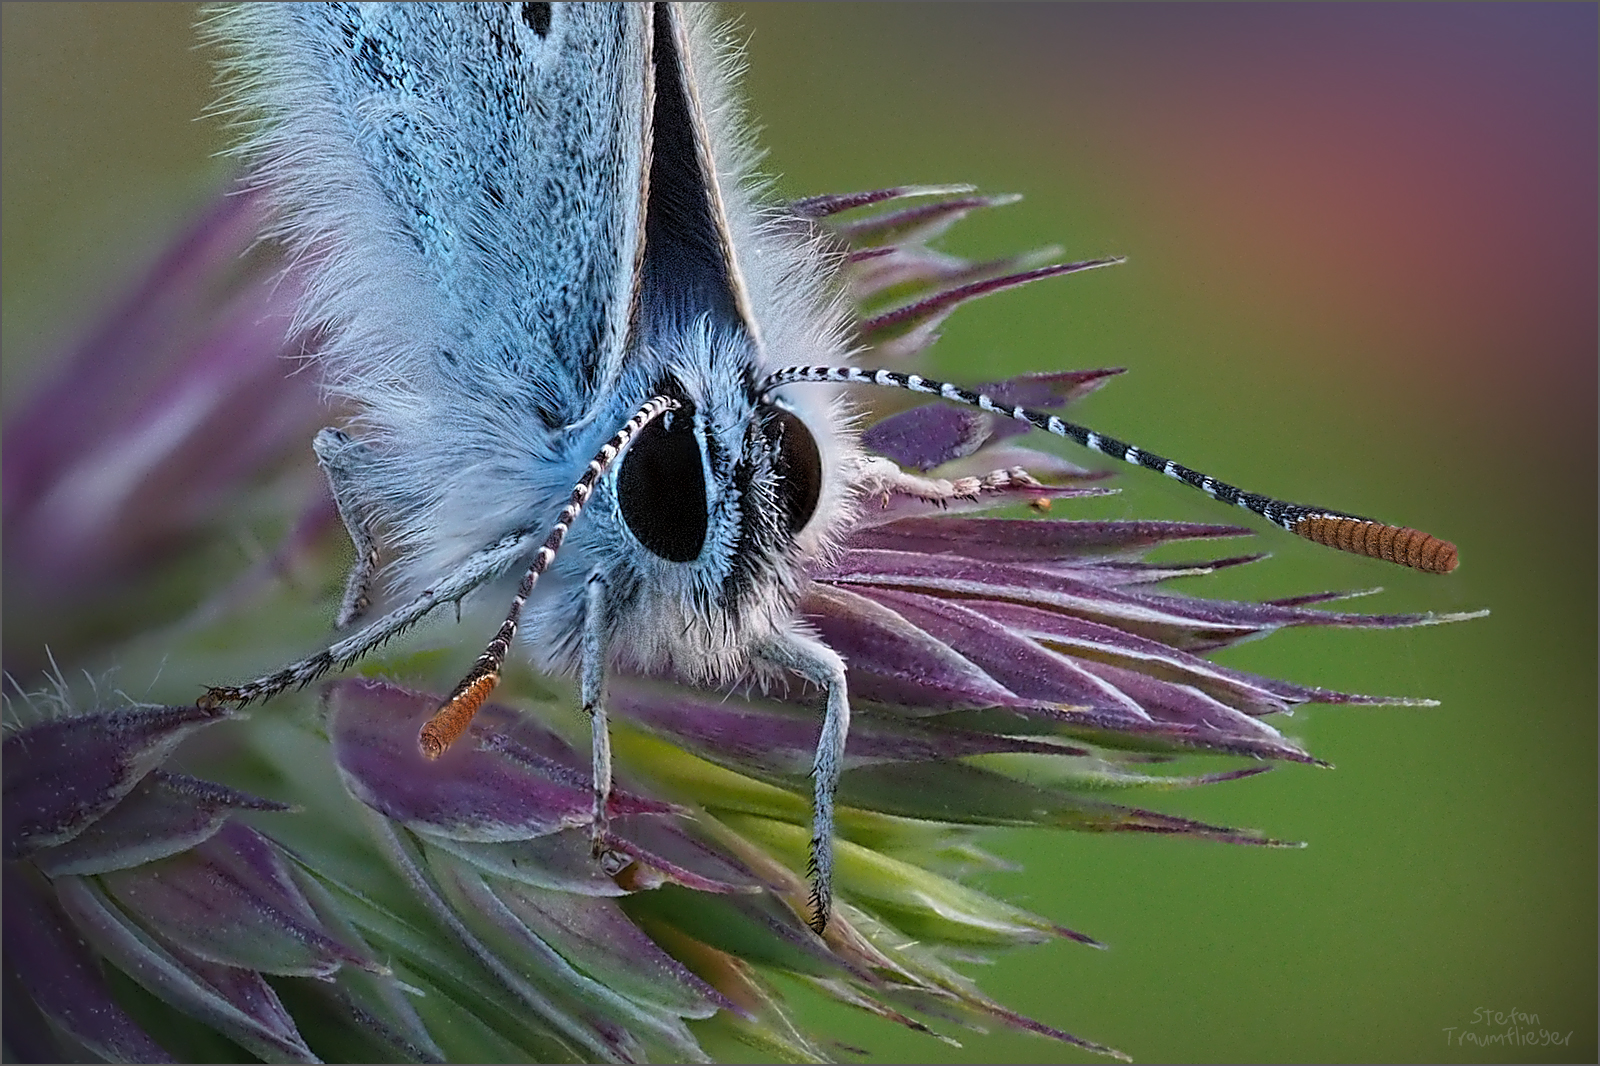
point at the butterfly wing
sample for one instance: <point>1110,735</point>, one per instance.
<point>465,182</point>
<point>462,188</point>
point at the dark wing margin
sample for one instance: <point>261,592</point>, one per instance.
<point>689,267</point>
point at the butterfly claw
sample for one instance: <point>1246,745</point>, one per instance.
<point>599,828</point>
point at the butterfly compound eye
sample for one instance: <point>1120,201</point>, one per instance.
<point>662,489</point>
<point>799,468</point>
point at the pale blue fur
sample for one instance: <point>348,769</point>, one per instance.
<point>378,187</point>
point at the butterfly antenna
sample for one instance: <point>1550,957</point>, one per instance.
<point>455,714</point>
<point>1336,529</point>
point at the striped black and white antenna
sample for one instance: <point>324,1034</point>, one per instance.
<point>1336,529</point>
<point>453,716</point>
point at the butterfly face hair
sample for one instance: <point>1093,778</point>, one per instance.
<point>581,352</point>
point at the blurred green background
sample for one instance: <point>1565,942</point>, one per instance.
<point>1362,273</point>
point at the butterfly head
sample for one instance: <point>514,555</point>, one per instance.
<point>722,502</point>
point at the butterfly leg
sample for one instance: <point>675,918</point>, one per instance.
<point>483,565</point>
<point>881,477</point>
<point>342,458</point>
<point>820,665</point>
<point>593,683</point>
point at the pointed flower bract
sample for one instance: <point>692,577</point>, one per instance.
<point>302,883</point>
